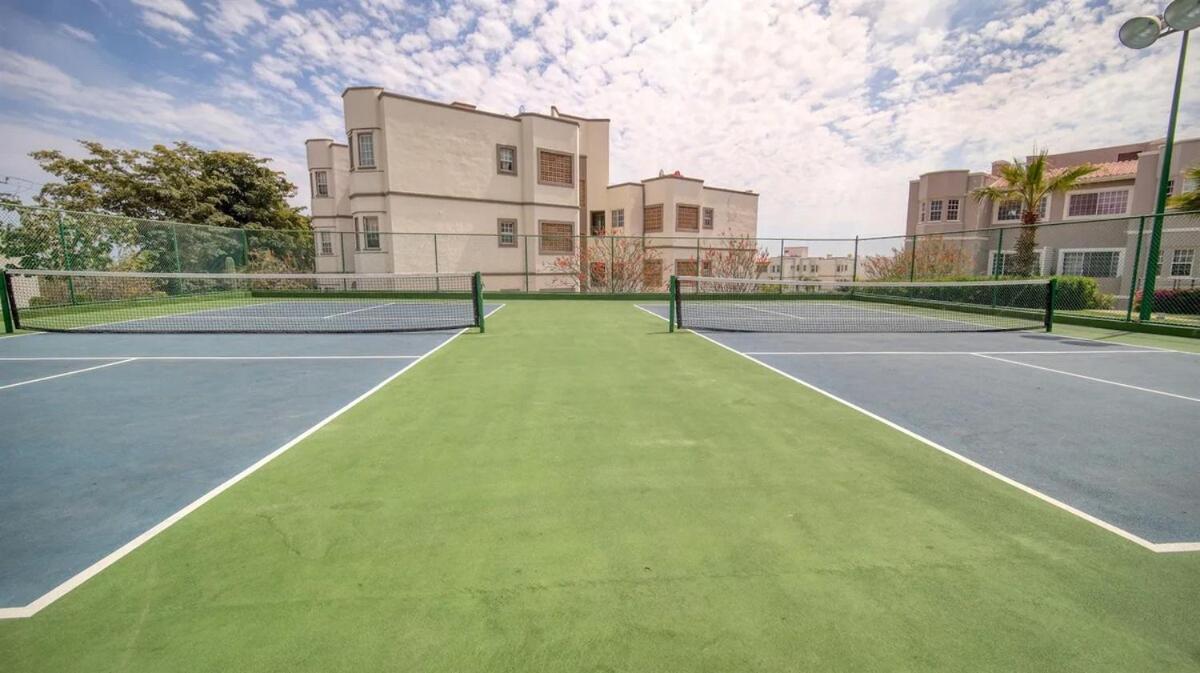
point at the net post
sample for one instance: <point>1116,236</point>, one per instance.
<point>1051,291</point>
<point>477,293</point>
<point>1137,260</point>
<point>673,289</point>
<point>5,300</point>
<point>854,263</point>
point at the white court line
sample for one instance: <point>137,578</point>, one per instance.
<point>1164,547</point>
<point>208,357</point>
<point>359,310</point>
<point>763,310</point>
<point>70,373</point>
<point>94,569</point>
<point>1079,352</point>
<point>1090,378</point>
<point>170,315</point>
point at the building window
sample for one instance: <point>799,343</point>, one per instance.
<point>325,238</point>
<point>556,168</point>
<point>687,218</point>
<point>506,159</point>
<point>1003,265</point>
<point>597,228</point>
<point>1088,204</point>
<point>1171,187</point>
<point>618,219</point>
<point>935,211</point>
<point>1128,156</point>
<point>951,210</point>
<point>370,227</point>
<point>366,150</point>
<point>321,183</point>
<point>685,267</point>
<point>1181,262</point>
<point>556,238</point>
<point>652,218</point>
<point>706,267</point>
<point>652,273</point>
<point>922,211</point>
<point>1092,263</point>
<point>506,233</point>
<point>1011,211</point>
<point>708,218</point>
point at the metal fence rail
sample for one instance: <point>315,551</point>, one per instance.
<point>1102,262</point>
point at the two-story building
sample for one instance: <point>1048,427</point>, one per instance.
<point>511,196</point>
<point>1095,225</point>
<point>797,264</point>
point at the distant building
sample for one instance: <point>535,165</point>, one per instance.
<point>797,264</point>
<point>1125,185</point>
<point>484,180</point>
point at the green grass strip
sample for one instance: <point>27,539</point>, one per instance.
<point>578,490</point>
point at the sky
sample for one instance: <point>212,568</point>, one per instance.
<point>826,108</point>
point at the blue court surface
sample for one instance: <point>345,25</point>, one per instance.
<point>105,436</point>
<point>1108,431</point>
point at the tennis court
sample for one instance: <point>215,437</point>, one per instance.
<point>577,488</point>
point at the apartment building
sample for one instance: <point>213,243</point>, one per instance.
<point>1096,224</point>
<point>515,197</point>
<point>797,264</point>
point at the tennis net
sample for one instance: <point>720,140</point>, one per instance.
<point>114,301</point>
<point>744,305</point>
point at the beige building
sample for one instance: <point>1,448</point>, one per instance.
<point>797,264</point>
<point>1097,223</point>
<point>506,195</point>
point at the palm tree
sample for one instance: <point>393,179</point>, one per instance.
<point>1189,200</point>
<point>1029,183</point>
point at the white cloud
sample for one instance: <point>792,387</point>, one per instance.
<point>77,33</point>
<point>443,28</point>
<point>166,24</point>
<point>176,9</point>
<point>234,17</point>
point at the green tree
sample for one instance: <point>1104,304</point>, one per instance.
<point>183,184</point>
<point>1028,183</point>
<point>1189,200</point>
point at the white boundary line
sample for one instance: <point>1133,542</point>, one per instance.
<point>208,357</point>
<point>70,373</point>
<point>1164,547</point>
<point>1078,352</point>
<point>1090,378</point>
<point>359,310</point>
<point>91,571</point>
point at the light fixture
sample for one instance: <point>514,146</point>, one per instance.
<point>1140,31</point>
<point>1183,14</point>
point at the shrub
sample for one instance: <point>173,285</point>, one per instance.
<point>1179,300</point>
<point>1078,293</point>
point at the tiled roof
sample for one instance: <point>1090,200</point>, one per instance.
<point>1105,172</point>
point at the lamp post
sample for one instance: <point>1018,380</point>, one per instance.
<point>1140,32</point>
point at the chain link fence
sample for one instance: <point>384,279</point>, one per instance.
<point>1102,264</point>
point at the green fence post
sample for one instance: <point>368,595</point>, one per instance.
<point>5,295</point>
<point>673,291</point>
<point>1050,297</point>
<point>912,264</point>
<point>175,247</point>
<point>612,263</point>
<point>477,290</point>
<point>245,250</point>
<point>62,241</point>
<point>525,260</point>
<point>1137,259</point>
<point>998,261</point>
<point>698,271</point>
<point>854,262</point>
<point>437,282</point>
<point>781,249</point>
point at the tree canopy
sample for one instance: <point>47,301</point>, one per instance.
<point>1188,200</point>
<point>182,183</point>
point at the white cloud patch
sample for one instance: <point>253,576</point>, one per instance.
<point>77,33</point>
<point>231,18</point>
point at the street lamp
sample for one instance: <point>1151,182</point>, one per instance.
<point>1140,32</point>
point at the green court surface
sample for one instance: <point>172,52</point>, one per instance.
<point>578,490</point>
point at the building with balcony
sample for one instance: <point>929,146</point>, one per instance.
<point>420,186</point>
<point>1094,227</point>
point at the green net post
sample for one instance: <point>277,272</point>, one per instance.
<point>5,298</point>
<point>1051,293</point>
<point>62,241</point>
<point>477,292</point>
<point>1137,259</point>
<point>673,289</point>
<point>853,262</point>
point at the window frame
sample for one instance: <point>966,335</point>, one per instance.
<point>658,283</point>
<point>1041,264</point>
<point>542,236</point>
<point>317,184</point>
<point>367,234</point>
<point>1191,263</point>
<point>324,237</point>
<point>1081,192</point>
<point>500,235</point>
<point>708,217</point>
<point>661,218</point>
<point>924,208</point>
<point>1042,216</point>
<point>957,210</point>
<point>358,163</point>
<point>499,166</point>
<point>679,207</point>
<point>618,219</point>
<point>569,184</point>
<point>935,211</point>
<point>1062,253</point>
